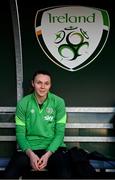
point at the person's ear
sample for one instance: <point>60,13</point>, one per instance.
<point>32,84</point>
<point>50,86</point>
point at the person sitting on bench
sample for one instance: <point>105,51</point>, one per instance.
<point>40,125</point>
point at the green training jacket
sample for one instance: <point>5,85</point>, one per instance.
<point>40,128</point>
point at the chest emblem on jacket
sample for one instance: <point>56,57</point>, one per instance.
<point>49,110</point>
<point>32,111</point>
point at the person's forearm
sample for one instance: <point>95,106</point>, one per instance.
<point>58,139</point>
<point>29,152</point>
<point>21,138</point>
<point>49,153</point>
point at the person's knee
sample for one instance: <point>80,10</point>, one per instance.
<point>58,166</point>
<point>22,160</point>
<point>17,165</point>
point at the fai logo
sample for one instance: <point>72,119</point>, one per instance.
<point>72,36</point>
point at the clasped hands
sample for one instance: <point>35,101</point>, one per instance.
<point>37,163</point>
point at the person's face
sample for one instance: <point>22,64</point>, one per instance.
<point>41,85</point>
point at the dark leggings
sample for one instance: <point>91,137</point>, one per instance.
<point>58,165</point>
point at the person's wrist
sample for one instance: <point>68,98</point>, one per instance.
<point>49,153</point>
<point>29,152</point>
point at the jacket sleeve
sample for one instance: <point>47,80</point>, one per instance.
<point>21,127</point>
<point>61,117</point>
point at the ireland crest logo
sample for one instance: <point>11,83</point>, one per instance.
<point>72,36</point>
